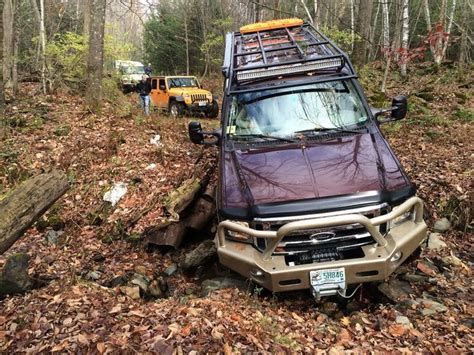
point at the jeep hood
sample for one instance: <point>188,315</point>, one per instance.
<point>283,173</point>
<point>188,90</point>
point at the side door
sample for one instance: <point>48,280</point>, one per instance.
<point>154,91</point>
<point>162,93</point>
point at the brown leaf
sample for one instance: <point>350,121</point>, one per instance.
<point>227,349</point>
<point>101,347</point>
<point>397,330</point>
<point>297,317</point>
<point>425,269</point>
<point>216,334</point>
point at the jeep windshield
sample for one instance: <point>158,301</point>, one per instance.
<point>318,108</point>
<point>136,69</point>
<point>182,82</point>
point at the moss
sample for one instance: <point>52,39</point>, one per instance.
<point>62,130</point>
<point>134,237</point>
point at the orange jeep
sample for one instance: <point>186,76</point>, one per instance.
<point>182,94</point>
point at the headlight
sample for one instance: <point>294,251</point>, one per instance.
<point>238,236</point>
<point>401,219</point>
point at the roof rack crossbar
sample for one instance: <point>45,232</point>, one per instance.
<point>262,50</point>
<point>292,39</point>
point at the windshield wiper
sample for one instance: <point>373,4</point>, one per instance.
<point>264,136</point>
<point>327,129</point>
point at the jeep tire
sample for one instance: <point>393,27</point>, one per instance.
<point>213,111</point>
<point>176,109</point>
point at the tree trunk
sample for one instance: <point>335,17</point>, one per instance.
<point>307,12</point>
<point>16,40</point>
<point>316,14</point>
<point>43,47</point>
<point>364,22</point>
<point>386,27</point>
<point>8,23</point>
<point>2,89</point>
<point>87,17</point>
<point>438,48</point>
<point>24,205</point>
<point>95,59</point>
<point>405,34</point>
<point>448,29</point>
<point>352,26</point>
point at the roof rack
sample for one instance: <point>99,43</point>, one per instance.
<point>280,48</point>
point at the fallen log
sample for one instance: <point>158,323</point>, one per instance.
<point>172,233</point>
<point>24,205</point>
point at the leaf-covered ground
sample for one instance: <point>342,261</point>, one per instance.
<point>77,312</point>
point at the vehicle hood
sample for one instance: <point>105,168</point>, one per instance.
<point>190,91</point>
<point>283,173</point>
<point>132,77</point>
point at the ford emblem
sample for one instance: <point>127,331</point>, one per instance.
<point>322,236</point>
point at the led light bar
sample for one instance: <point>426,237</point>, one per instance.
<point>290,69</point>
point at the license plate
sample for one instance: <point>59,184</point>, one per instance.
<point>327,276</point>
<point>203,103</point>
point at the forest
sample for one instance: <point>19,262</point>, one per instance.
<point>108,214</point>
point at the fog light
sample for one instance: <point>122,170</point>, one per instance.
<point>396,256</point>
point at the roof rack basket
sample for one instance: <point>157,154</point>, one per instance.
<point>294,47</point>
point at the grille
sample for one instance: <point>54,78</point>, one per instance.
<point>322,244</point>
<point>198,97</point>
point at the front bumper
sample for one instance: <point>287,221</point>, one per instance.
<point>380,260</point>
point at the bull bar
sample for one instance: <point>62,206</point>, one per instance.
<point>381,258</point>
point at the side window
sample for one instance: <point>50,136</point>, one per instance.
<point>162,84</point>
<point>154,84</point>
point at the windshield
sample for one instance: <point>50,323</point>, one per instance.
<point>182,82</point>
<point>284,112</point>
<point>136,69</point>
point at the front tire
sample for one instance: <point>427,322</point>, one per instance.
<point>176,109</point>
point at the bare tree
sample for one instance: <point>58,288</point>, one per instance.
<point>95,58</point>
<point>8,23</point>
<point>405,35</point>
<point>385,26</point>
<point>2,90</point>
<point>362,27</point>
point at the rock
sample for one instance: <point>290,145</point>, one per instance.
<point>403,321</point>
<point>132,292</point>
<point>442,225</point>
<point>329,308</point>
<point>468,322</point>
<point>204,252</point>
<point>154,290</point>
<point>170,270</point>
<point>407,304</point>
<point>117,281</point>
<point>427,267</point>
<point>435,242</point>
<point>94,275</point>
<point>415,279</point>
<point>395,290</point>
<point>52,236</point>
<point>219,283</point>
<point>98,257</point>
<point>141,281</point>
<point>14,277</point>
<point>140,269</point>
<point>354,306</point>
<point>431,307</point>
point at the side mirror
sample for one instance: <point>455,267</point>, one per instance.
<point>198,136</point>
<point>195,132</point>
<point>400,107</point>
<point>397,111</point>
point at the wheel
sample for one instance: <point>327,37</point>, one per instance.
<point>214,111</point>
<point>176,109</point>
